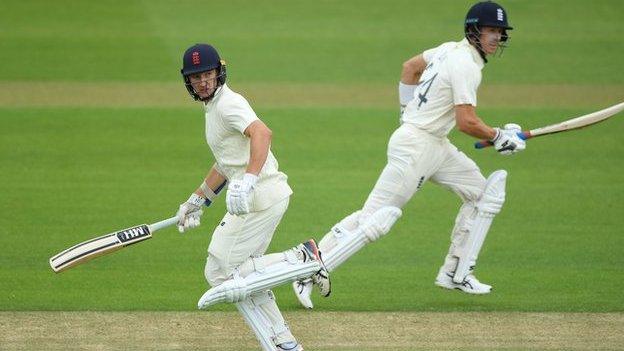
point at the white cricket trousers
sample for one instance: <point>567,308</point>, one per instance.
<point>234,241</point>
<point>415,156</point>
<point>237,238</point>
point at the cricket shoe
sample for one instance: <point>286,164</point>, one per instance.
<point>470,285</point>
<point>289,346</point>
<point>303,290</point>
<point>321,278</point>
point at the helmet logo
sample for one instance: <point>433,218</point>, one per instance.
<point>195,58</point>
<point>500,14</point>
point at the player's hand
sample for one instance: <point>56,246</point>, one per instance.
<point>190,212</point>
<point>239,194</point>
<point>507,141</point>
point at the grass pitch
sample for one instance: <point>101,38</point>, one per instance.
<point>120,167</point>
<point>324,331</point>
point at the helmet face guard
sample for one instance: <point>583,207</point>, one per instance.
<point>221,76</point>
<point>473,34</point>
<point>486,14</point>
<point>202,58</point>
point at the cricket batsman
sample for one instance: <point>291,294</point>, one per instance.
<point>437,91</point>
<point>257,198</point>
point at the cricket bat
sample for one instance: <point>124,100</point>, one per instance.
<point>571,124</point>
<point>105,244</point>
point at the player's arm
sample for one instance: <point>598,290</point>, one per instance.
<point>468,122</point>
<point>506,140</point>
<point>239,194</point>
<point>212,185</point>
<point>410,76</point>
<point>189,212</point>
<point>260,136</point>
<point>413,69</point>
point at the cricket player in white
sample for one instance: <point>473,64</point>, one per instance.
<point>257,197</point>
<point>438,91</point>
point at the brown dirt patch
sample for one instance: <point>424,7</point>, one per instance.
<point>316,330</point>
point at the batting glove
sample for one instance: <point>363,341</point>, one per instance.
<point>239,194</point>
<point>507,141</point>
<point>190,212</point>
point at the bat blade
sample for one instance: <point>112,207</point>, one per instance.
<point>102,245</point>
<point>571,124</point>
<point>580,122</point>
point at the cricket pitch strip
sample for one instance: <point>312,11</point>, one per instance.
<point>316,330</point>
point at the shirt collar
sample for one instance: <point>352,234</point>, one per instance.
<point>217,95</point>
<point>474,52</point>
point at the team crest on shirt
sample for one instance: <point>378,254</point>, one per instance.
<point>500,15</point>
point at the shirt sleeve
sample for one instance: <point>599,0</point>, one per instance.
<point>428,54</point>
<point>238,114</point>
<point>465,78</point>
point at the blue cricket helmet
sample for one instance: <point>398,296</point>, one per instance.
<point>487,14</point>
<point>201,58</point>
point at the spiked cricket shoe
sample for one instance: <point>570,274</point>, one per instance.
<point>470,285</point>
<point>320,278</point>
<point>303,290</point>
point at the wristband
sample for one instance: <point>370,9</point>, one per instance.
<point>406,93</point>
<point>209,193</point>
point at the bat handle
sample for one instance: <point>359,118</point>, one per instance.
<point>486,143</point>
<point>163,224</point>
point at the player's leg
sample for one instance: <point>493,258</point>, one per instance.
<point>482,200</point>
<point>265,319</point>
<point>268,271</point>
<point>239,274</point>
<point>412,157</point>
<point>344,240</point>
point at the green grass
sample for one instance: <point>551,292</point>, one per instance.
<point>70,173</point>
<point>77,173</point>
<point>557,41</point>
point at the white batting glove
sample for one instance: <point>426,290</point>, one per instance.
<point>190,212</point>
<point>507,141</point>
<point>239,194</point>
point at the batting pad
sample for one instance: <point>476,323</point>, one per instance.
<point>488,206</point>
<point>350,242</point>
<point>266,328</point>
<point>239,288</point>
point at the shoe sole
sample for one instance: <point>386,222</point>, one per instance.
<point>299,287</point>
<point>461,288</point>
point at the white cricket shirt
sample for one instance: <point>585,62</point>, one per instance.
<point>228,114</point>
<point>452,77</point>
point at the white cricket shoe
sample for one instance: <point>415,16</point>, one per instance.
<point>303,290</point>
<point>470,285</point>
<point>290,346</point>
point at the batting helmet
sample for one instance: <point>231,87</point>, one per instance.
<point>486,14</point>
<point>201,58</point>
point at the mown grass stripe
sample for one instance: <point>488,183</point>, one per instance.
<point>168,94</point>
